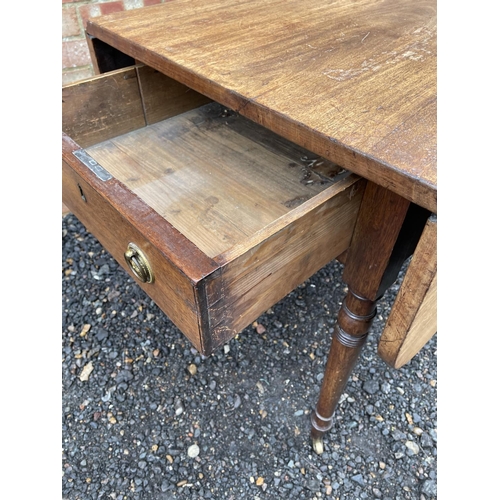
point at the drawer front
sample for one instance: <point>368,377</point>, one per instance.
<point>116,217</point>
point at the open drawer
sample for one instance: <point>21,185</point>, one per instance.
<point>215,217</point>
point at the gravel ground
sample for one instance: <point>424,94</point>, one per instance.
<point>144,416</point>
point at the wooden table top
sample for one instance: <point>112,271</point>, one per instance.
<point>354,82</point>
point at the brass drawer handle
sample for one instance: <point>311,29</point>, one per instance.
<point>138,263</point>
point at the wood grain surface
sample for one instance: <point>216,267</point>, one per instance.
<point>354,82</point>
<point>164,97</point>
<point>215,176</point>
<point>101,107</point>
<point>413,318</point>
<point>266,267</point>
<point>114,103</point>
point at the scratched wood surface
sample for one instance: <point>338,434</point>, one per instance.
<point>215,176</point>
<point>354,82</point>
<point>102,107</point>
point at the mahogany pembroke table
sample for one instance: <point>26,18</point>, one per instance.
<point>227,150</point>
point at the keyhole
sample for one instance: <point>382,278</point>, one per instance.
<point>81,193</point>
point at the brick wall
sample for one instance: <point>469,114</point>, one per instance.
<point>76,63</point>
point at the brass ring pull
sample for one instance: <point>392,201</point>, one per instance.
<point>138,263</point>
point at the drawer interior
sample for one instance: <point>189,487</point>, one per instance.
<point>231,216</point>
<point>215,176</point>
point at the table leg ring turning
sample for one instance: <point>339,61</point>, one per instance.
<point>350,334</point>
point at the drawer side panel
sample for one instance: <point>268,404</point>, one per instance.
<point>256,280</point>
<point>164,97</point>
<point>102,107</point>
<point>121,101</point>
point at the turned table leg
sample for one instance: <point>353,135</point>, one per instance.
<point>386,233</point>
<point>349,335</point>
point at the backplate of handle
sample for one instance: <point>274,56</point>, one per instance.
<point>138,263</point>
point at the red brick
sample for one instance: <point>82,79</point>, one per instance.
<point>110,7</point>
<point>70,25</point>
<point>88,11</point>
<point>75,53</point>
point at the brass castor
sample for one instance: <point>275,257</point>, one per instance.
<point>317,444</point>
